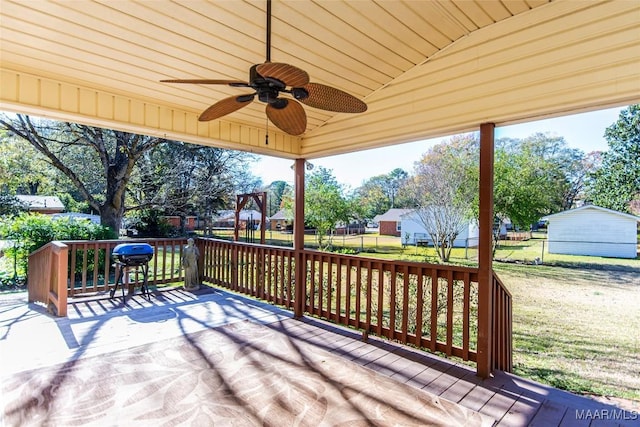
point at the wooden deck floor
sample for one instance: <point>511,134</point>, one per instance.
<point>99,325</point>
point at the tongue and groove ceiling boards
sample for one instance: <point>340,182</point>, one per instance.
<point>424,68</point>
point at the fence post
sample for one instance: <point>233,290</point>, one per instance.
<point>542,254</point>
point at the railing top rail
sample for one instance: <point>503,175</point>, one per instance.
<point>499,282</point>
<point>445,267</point>
<point>358,258</point>
<point>56,244</point>
<point>231,242</point>
<point>150,239</point>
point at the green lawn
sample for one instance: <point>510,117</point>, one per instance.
<point>577,329</point>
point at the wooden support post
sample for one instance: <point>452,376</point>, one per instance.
<point>59,264</point>
<point>485,252</point>
<point>298,238</point>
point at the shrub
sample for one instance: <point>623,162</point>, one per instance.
<point>149,223</point>
<point>32,231</point>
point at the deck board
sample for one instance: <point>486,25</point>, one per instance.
<point>550,413</point>
<point>98,326</point>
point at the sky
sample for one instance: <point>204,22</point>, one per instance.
<point>584,131</point>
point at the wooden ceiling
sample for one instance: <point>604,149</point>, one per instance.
<point>425,68</point>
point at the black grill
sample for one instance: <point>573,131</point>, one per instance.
<point>128,256</point>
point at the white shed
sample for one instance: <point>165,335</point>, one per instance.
<point>593,230</point>
<point>413,229</point>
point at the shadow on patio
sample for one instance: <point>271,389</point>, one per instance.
<point>185,358</point>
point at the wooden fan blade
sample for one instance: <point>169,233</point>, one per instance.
<point>288,74</point>
<point>291,119</point>
<point>224,107</point>
<point>208,82</point>
<point>332,99</point>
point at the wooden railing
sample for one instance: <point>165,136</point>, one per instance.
<point>62,269</point>
<point>501,326</point>
<point>261,271</point>
<point>425,305</point>
<point>92,268</point>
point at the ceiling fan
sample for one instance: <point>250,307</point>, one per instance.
<point>271,79</point>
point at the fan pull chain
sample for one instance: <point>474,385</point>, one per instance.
<point>266,125</point>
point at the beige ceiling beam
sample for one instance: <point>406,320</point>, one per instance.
<point>45,97</point>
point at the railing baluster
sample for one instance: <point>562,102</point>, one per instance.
<point>405,304</point>
<point>85,253</point>
<point>380,298</point>
<point>466,312</point>
<point>96,263</point>
<point>358,287</point>
<point>434,309</point>
<point>347,290</point>
<point>393,285</point>
<point>449,312</point>
<point>419,307</point>
<point>368,306</point>
<point>338,289</point>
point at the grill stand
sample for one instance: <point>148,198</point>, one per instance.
<point>123,268</point>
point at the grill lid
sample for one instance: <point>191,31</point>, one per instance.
<point>132,249</point>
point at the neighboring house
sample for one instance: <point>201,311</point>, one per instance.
<point>42,204</point>
<point>413,232</point>
<point>79,216</point>
<point>227,219</point>
<point>390,222</point>
<point>176,221</point>
<point>351,228</point>
<point>593,230</point>
<point>279,221</point>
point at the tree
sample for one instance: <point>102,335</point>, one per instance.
<point>324,204</point>
<point>10,205</point>
<point>445,185</point>
<point>79,151</point>
<point>186,179</point>
<point>22,169</point>
<point>536,176</point>
<point>616,184</point>
<point>117,172</point>
<point>275,193</point>
<point>380,193</point>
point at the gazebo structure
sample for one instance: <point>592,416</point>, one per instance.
<point>424,68</point>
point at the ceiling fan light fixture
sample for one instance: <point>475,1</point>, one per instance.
<point>268,96</point>
<point>279,103</point>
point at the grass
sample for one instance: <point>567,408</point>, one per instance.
<point>577,329</point>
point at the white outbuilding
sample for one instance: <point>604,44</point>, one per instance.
<point>593,230</point>
<point>414,232</point>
